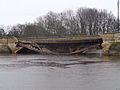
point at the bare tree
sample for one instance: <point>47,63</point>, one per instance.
<point>85,21</point>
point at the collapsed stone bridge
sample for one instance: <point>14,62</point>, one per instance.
<point>65,46</point>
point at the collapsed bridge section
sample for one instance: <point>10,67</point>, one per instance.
<point>65,47</point>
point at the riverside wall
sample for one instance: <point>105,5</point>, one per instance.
<point>111,43</point>
<point>8,44</point>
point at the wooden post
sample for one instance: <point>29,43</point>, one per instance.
<point>118,14</point>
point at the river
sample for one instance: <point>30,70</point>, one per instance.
<point>50,72</point>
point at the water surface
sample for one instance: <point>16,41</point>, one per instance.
<point>50,72</point>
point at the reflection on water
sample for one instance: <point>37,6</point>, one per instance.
<point>49,72</point>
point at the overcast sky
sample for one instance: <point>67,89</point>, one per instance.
<point>21,11</point>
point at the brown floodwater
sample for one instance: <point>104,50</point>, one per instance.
<point>50,72</point>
